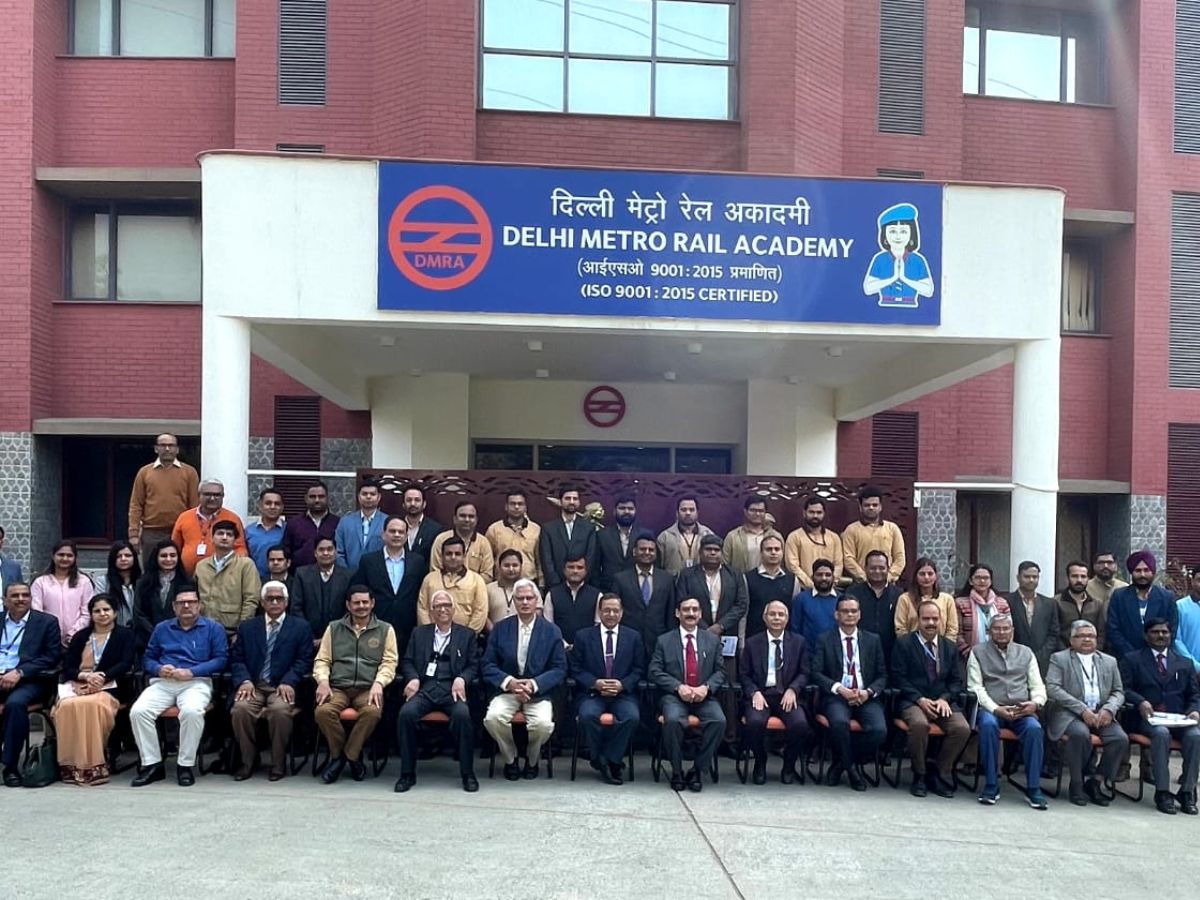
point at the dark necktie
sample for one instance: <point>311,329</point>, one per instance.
<point>1162,664</point>
<point>931,661</point>
<point>691,670</point>
<point>608,655</point>
<point>851,667</point>
<point>778,642</point>
<point>646,590</point>
<point>272,633</point>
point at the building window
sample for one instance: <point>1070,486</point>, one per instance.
<point>1032,53</point>
<point>1080,287</point>
<point>153,27</point>
<point>669,58</point>
<point>155,248</point>
<point>602,458</point>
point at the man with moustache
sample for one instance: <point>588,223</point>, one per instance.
<point>1077,602</point>
<point>679,545</point>
<point>813,541</point>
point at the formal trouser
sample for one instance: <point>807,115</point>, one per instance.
<point>1028,729</point>
<point>608,744</point>
<point>958,732</point>
<point>730,700</point>
<point>1078,751</point>
<point>675,722</point>
<point>754,732</point>
<point>865,745</point>
<point>191,697</point>
<point>328,718</point>
<point>151,538</point>
<point>462,730</point>
<point>1160,753</point>
<point>16,718</point>
<point>264,700</point>
<point>539,725</point>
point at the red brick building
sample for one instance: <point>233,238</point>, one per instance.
<point>106,104</point>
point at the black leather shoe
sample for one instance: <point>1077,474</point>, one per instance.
<point>607,776</point>
<point>275,775</point>
<point>470,783</point>
<point>357,770</point>
<point>1187,803</point>
<point>530,772</point>
<point>1091,787</point>
<point>616,770</point>
<point>789,775</point>
<point>184,776</point>
<point>834,776</point>
<point>942,788</point>
<point>857,782</point>
<point>1077,796</point>
<point>512,771</point>
<point>918,788</point>
<point>677,783</point>
<point>405,783</point>
<point>148,775</point>
<point>695,782</point>
<point>759,775</point>
<point>1164,802</point>
<point>333,771</point>
<point>12,778</point>
<point>243,773</point>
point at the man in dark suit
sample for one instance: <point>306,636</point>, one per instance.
<point>616,546</point>
<point>318,592</point>
<point>525,661</point>
<point>1034,615</point>
<point>850,671</point>
<point>10,569</point>
<point>720,590</point>
<point>647,592</point>
<point>607,662</point>
<point>570,536</point>
<point>1157,680</point>
<point>440,665</point>
<point>688,669</point>
<point>271,655</point>
<point>877,597</point>
<point>30,653</point>
<point>1130,606</point>
<point>394,576</point>
<point>574,601</point>
<point>774,674</point>
<point>926,675</point>
<point>422,530</point>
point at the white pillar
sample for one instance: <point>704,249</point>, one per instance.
<point>225,406</point>
<point>790,429</point>
<point>1035,439</point>
<point>420,422</point>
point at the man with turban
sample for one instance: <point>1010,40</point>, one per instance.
<point>1132,606</point>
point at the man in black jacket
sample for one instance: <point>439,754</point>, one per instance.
<point>30,652</point>
<point>647,593</point>
<point>440,665</point>
<point>394,575</point>
<point>925,672</point>
<point>877,598</point>
<point>616,545</point>
<point>318,592</point>
<point>570,536</point>
<point>774,675</point>
<point>573,600</point>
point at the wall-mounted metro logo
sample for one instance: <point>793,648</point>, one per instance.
<point>440,238</point>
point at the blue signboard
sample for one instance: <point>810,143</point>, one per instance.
<point>522,239</point>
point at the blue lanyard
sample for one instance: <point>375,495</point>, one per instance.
<point>8,646</point>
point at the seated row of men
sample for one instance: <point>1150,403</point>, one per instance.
<point>526,660</point>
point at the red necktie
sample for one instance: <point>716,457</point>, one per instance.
<point>852,669</point>
<point>1162,663</point>
<point>691,671</point>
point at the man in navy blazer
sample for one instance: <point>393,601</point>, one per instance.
<point>647,593</point>
<point>1129,607</point>
<point>525,661</point>
<point>774,675</point>
<point>607,662</point>
<point>569,536</point>
<point>395,601</point>
<point>849,668</point>
<point>1158,679</point>
<point>688,669</point>
<point>10,569</point>
<point>272,653</point>
<point>30,654</point>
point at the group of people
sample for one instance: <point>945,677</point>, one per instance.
<point>711,642</point>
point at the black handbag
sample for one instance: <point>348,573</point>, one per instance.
<point>41,765</point>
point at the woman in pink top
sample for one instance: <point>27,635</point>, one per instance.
<point>63,592</point>
<point>976,608</point>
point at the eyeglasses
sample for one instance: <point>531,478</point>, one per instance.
<point>187,602</point>
<point>212,493</point>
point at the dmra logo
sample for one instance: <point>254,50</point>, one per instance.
<point>440,238</point>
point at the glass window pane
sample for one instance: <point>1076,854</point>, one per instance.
<point>224,41</point>
<point>93,28</point>
<point>504,456</point>
<point>162,28</point>
<point>1080,287</point>
<point>522,82</point>
<point>693,30</point>
<point>970,60</point>
<point>1022,64</point>
<point>692,92</point>
<point>523,24</point>
<point>1085,63</point>
<point>611,27</point>
<point>609,87</point>
<point>158,258</point>
<point>574,458</point>
<point>89,256</point>
<point>703,461</point>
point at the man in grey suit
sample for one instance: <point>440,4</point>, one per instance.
<point>687,668</point>
<point>1085,693</point>
<point>1034,615</point>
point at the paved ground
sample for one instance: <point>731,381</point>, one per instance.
<point>298,838</point>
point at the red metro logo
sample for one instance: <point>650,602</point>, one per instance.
<point>440,238</point>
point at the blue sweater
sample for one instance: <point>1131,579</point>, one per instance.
<point>202,648</point>
<point>812,614</point>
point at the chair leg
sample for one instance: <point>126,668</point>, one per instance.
<point>1141,781</point>
<point>575,750</point>
<point>629,754</point>
<point>656,757</point>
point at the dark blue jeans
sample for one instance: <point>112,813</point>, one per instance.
<point>1028,729</point>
